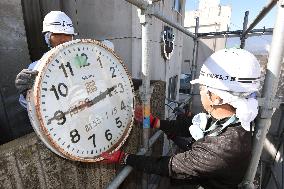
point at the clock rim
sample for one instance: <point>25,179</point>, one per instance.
<point>37,96</point>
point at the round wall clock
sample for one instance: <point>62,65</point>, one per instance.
<point>82,102</point>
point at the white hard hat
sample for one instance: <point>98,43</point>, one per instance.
<point>233,69</point>
<point>58,22</point>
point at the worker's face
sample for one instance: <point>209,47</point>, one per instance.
<point>207,98</point>
<point>59,38</point>
<point>204,98</point>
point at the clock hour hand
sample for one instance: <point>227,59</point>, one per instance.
<point>60,116</point>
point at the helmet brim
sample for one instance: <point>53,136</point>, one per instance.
<point>195,81</point>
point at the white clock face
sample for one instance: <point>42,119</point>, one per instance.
<point>84,100</point>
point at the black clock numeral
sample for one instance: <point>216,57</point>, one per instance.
<point>113,70</point>
<point>64,70</point>
<point>114,111</point>
<point>94,140</point>
<point>75,137</point>
<point>59,115</point>
<point>62,89</point>
<point>108,135</point>
<point>123,107</point>
<point>81,60</point>
<point>118,122</point>
<point>99,60</point>
<point>121,87</point>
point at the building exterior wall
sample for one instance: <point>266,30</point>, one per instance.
<point>212,18</point>
<point>14,56</point>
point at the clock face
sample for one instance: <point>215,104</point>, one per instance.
<point>83,99</point>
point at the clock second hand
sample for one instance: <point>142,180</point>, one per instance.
<point>88,103</point>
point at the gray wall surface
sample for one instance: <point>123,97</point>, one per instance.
<point>118,22</point>
<point>14,56</point>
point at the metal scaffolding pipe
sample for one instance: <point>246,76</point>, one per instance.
<point>194,53</point>
<point>260,16</point>
<point>263,31</point>
<point>269,92</point>
<point>245,25</point>
<point>144,5</point>
<point>127,169</point>
<point>160,16</point>
<point>234,35</point>
<point>145,20</point>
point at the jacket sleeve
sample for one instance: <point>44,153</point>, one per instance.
<point>211,157</point>
<point>200,161</point>
<point>177,127</point>
<point>148,164</point>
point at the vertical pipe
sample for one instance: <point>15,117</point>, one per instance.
<point>269,91</point>
<point>145,20</point>
<point>194,53</point>
<point>245,25</point>
<point>282,166</point>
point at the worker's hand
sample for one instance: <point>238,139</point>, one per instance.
<point>115,157</point>
<point>25,80</point>
<point>154,122</point>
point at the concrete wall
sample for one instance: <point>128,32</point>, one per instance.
<point>14,56</point>
<point>27,163</point>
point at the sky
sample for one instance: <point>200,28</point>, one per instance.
<point>256,44</point>
<point>238,10</point>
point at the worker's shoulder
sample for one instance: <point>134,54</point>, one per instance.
<point>232,140</point>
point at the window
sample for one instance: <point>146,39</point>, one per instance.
<point>172,87</point>
<point>177,5</point>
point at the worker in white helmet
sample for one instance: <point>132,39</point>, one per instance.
<point>57,29</point>
<point>219,156</point>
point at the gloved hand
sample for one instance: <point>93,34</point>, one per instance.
<point>138,116</point>
<point>25,80</point>
<point>154,122</point>
<point>115,157</point>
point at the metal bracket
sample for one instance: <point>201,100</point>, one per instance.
<point>143,12</point>
<point>269,103</point>
<point>141,93</point>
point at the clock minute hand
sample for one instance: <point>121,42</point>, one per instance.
<point>100,97</point>
<point>58,115</point>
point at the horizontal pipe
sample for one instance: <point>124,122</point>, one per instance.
<point>160,16</point>
<point>260,16</point>
<point>127,169</point>
<point>234,35</point>
<point>236,32</point>
<point>145,6</point>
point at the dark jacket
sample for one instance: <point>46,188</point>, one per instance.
<point>214,161</point>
